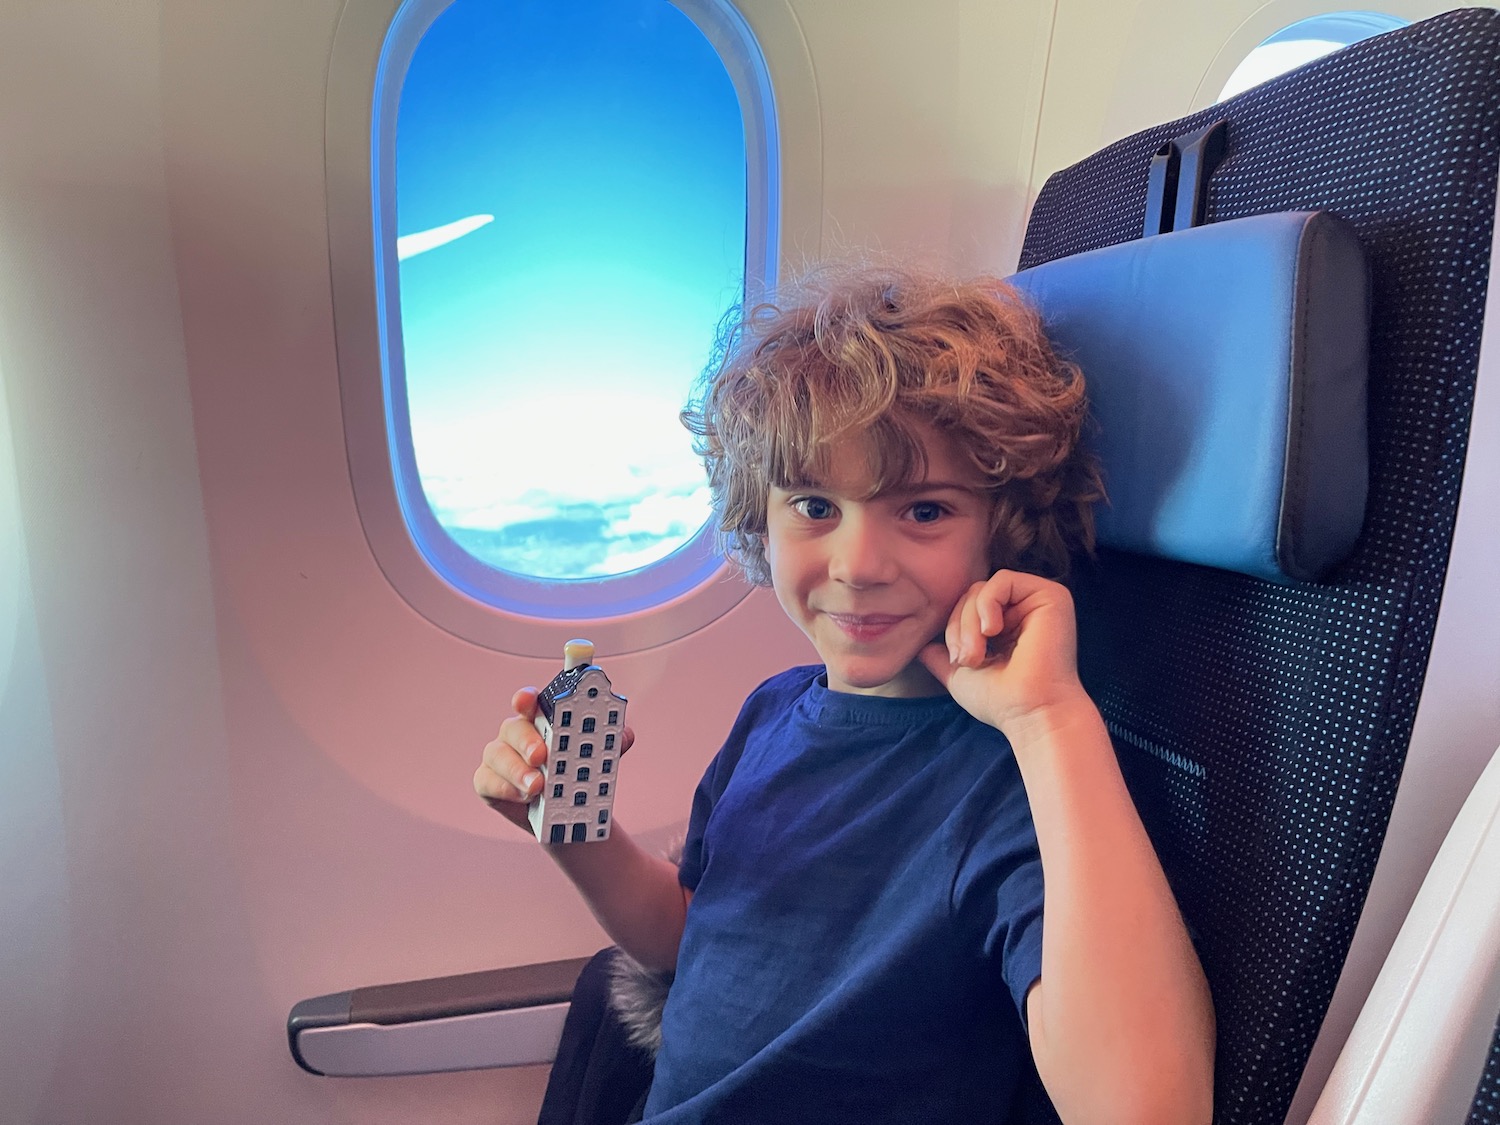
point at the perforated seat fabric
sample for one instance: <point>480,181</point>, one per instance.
<point>1263,728</point>
<point>1486,1107</point>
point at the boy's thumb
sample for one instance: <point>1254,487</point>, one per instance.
<point>934,658</point>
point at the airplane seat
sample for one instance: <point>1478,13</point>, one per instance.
<point>1263,726</point>
<point>1418,1050</point>
<point>1485,1109</point>
<point>1261,709</point>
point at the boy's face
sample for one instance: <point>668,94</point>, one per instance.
<point>872,581</point>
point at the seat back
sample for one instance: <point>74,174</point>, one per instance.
<point>1263,727</point>
<point>1485,1109</point>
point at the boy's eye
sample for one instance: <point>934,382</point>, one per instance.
<point>814,507</point>
<point>926,511</point>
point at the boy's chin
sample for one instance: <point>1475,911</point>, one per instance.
<point>862,678</point>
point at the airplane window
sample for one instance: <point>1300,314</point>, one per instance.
<point>537,215</point>
<point>1304,41</point>
<point>573,212</point>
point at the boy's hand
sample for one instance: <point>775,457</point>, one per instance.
<point>1009,655</point>
<point>514,766</point>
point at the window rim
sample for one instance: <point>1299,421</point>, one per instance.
<point>1268,22</point>
<point>642,609</point>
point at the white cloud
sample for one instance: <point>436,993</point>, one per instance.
<point>618,562</point>
<point>662,514</point>
<point>555,449</point>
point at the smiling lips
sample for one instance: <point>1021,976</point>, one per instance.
<point>866,626</point>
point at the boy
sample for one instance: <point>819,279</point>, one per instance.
<point>856,924</point>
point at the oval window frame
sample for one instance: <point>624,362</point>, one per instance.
<point>1265,25</point>
<point>656,604</point>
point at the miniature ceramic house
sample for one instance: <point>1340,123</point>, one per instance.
<point>582,721</point>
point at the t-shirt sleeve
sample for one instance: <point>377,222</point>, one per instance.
<point>998,894</point>
<point>690,867</point>
<point>772,694</point>
<point>1020,934</point>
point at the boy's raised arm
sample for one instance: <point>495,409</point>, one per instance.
<point>1122,1027</point>
<point>1121,1022</point>
<point>635,896</point>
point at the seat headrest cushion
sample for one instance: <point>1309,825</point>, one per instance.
<point>1227,371</point>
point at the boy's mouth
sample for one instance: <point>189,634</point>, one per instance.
<point>866,626</point>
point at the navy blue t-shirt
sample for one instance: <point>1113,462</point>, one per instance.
<point>866,918</point>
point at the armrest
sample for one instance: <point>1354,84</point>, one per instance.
<point>501,1017</point>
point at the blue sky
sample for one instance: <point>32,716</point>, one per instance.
<point>549,349</point>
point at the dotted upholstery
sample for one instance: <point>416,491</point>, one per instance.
<point>1486,1107</point>
<point>1263,728</point>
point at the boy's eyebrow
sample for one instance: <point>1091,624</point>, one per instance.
<point>931,486</point>
<point>897,490</point>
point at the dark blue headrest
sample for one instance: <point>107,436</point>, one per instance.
<point>1226,367</point>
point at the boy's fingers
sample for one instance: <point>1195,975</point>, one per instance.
<point>991,612</point>
<point>502,796</point>
<point>999,593</point>
<point>494,786</point>
<point>524,703</point>
<point>971,643</point>
<point>953,634</point>
<point>510,769</point>
<point>518,733</point>
<point>627,740</point>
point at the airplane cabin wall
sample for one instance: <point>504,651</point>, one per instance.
<point>1116,69</point>
<point>120,910</point>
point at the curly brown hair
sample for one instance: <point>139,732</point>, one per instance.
<point>881,353</point>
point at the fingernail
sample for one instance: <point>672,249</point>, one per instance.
<point>536,755</point>
<point>529,780</point>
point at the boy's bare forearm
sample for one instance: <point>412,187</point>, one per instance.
<point>1121,1022</point>
<point>635,895</point>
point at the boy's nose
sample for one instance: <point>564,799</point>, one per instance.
<point>860,556</point>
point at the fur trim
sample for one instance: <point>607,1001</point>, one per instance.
<point>637,994</point>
